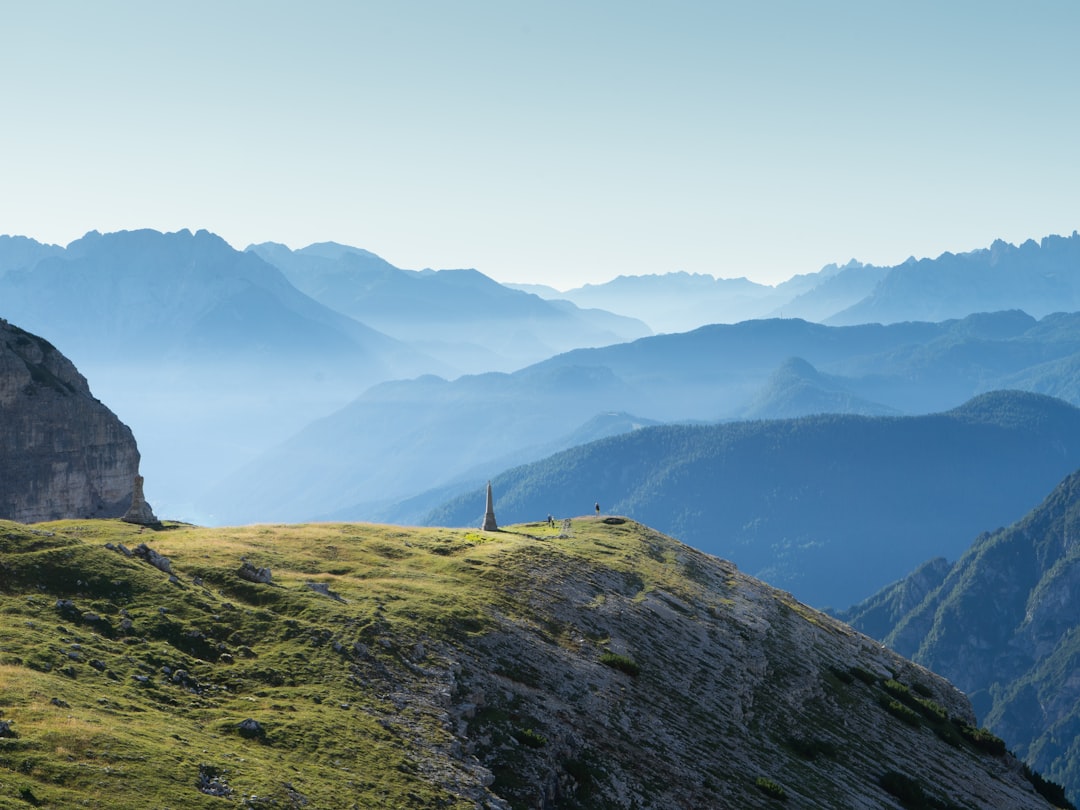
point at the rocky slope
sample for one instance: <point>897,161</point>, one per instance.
<point>63,454</point>
<point>1002,624</point>
<point>596,664</point>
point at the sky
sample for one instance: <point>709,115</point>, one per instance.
<point>555,142</point>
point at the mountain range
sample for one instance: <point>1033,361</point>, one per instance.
<point>1001,623</point>
<point>1038,277</point>
<point>464,318</point>
<point>213,354</point>
<point>372,458</point>
<point>224,360</point>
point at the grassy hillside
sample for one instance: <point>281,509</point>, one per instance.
<point>595,664</point>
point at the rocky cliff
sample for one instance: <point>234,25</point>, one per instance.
<point>596,665</point>
<point>63,454</point>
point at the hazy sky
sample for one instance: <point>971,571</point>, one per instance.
<point>548,141</point>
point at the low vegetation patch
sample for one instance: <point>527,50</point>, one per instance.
<point>898,709</point>
<point>982,739</point>
<point>620,662</point>
<point>771,788</point>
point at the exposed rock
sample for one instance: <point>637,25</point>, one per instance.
<point>324,589</point>
<point>63,454</point>
<point>6,730</point>
<point>139,511</point>
<point>159,561</point>
<point>212,782</point>
<point>252,574</point>
<point>250,728</point>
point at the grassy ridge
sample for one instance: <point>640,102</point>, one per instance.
<point>393,667</point>
<point>128,684</point>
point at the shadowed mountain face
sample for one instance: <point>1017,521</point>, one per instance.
<point>831,508</point>
<point>1002,623</point>
<point>598,666</point>
<point>452,314</point>
<point>62,453</point>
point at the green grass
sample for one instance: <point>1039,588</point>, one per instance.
<point>89,697</point>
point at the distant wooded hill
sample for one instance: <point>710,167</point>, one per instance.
<point>1003,623</point>
<point>831,508</point>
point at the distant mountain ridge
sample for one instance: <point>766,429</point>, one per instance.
<point>401,439</point>
<point>831,508</point>
<point>1002,623</point>
<point>451,313</point>
<point>1037,277</point>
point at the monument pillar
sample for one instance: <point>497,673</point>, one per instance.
<point>489,514</point>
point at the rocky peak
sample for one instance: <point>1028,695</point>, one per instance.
<point>63,454</point>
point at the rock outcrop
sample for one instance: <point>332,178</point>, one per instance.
<point>63,454</point>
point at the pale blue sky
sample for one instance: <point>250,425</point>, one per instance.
<point>548,141</point>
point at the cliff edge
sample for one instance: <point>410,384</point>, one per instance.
<point>63,454</point>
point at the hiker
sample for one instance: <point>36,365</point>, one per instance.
<point>598,508</point>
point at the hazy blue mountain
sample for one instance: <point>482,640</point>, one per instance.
<point>836,289</point>
<point>796,388</point>
<point>543,290</point>
<point>209,354</point>
<point>1002,624</point>
<point>411,510</point>
<point>180,295</point>
<point>1037,277</point>
<point>403,439</point>
<point>18,252</point>
<point>451,314</point>
<point>678,302</point>
<point>831,508</point>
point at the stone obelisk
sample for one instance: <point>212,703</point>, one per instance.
<point>489,515</point>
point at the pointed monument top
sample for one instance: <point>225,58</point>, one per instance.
<point>489,513</point>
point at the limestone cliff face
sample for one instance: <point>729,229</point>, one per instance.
<point>63,454</point>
